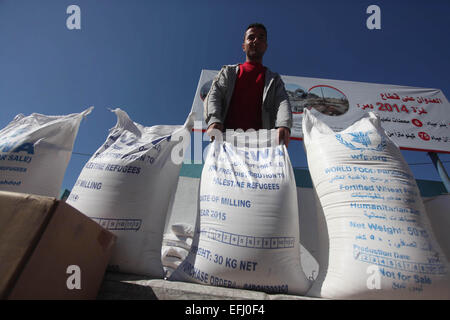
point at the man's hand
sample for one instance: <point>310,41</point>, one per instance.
<point>214,129</point>
<point>283,135</point>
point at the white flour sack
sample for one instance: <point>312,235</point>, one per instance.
<point>380,242</point>
<point>247,235</point>
<point>35,151</point>
<point>126,187</point>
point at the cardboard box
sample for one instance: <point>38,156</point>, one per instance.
<point>49,250</point>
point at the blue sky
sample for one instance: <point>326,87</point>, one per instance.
<point>146,56</point>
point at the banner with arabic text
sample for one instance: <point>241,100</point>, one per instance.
<point>415,118</point>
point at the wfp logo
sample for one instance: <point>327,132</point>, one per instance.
<point>361,141</point>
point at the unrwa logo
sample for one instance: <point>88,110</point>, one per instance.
<point>361,141</point>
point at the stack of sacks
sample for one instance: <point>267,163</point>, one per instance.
<point>175,246</point>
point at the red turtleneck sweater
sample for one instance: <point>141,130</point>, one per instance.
<point>246,103</point>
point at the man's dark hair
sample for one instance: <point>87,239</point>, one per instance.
<point>257,25</point>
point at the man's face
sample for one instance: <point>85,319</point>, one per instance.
<point>255,44</point>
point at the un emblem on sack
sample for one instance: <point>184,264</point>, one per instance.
<point>361,141</point>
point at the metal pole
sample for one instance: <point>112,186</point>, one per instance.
<point>441,170</point>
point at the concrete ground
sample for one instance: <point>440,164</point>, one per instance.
<point>120,286</point>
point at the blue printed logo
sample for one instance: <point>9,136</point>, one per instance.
<point>361,141</point>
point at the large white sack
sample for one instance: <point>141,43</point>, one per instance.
<point>380,244</point>
<point>247,232</point>
<point>126,187</point>
<point>438,210</point>
<point>35,151</point>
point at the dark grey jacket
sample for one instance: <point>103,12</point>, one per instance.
<point>276,109</point>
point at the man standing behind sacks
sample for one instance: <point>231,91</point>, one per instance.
<point>247,233</point>
<point>249,95</point>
